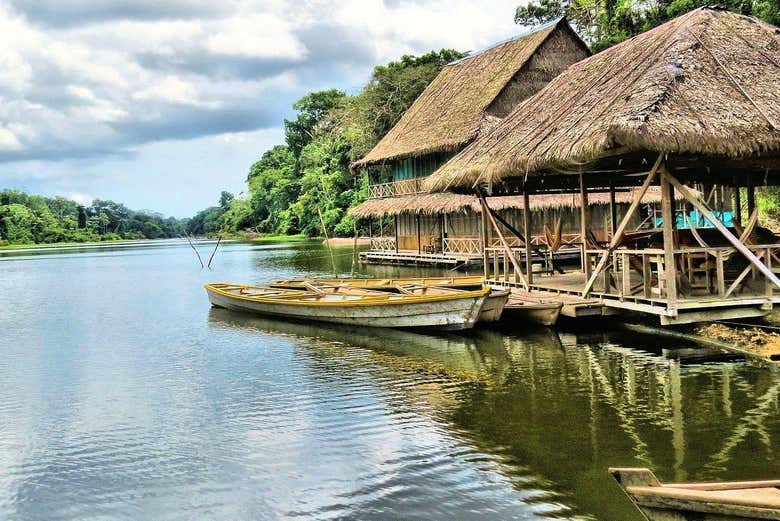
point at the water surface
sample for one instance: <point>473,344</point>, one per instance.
<point>125,396</point>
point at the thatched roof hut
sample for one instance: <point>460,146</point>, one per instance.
<point>704,85</point>
<point>475,91</point>
<point>435,203</point>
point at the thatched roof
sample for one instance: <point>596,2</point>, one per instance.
<point>435,203</point>
<point>451,110</point>
<point>705,83</point>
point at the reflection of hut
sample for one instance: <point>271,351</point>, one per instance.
<point>454,220</point>
<point>693,101</point>
<point>467,97</point>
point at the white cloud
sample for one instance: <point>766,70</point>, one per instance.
<point>99,80</point>
<point>81,198</point>
<point>8,140</point>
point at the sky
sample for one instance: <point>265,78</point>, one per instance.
<point>161,105</point>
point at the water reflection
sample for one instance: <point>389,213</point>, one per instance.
<point>553,411</point>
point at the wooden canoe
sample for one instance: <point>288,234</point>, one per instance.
<point>738,501</point>
<point>417,307</point>
<point>491,311</point>
<point>536,311</point>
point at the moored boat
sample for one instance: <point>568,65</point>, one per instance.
<point>492,308</point>
<point>414,307</point>
<point>537,311</point>
<point>735,501</point>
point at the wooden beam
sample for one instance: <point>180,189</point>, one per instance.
<point>507,249</point>
<point>618,236</point>
<point>419,239</point>
<point>737,202</point>
<point>612,208</point>
<point>584,225</point>
<point>396,234</point>
<point>526,229</point>
<point>483,237</point>
<point>670,267</point>
<point>739,245</point>
<point>751,195</point>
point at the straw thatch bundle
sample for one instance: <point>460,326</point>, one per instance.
<point>704,83</point>
<point>435,203</point>
<point>452,109</point>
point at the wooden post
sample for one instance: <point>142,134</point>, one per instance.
<point>527,230</point>
<point>751,195</point>
<point>707,213</point>
<point>670,268</point>
<point>612,208</point>
<point>483,239</point>
<point>737,203</point>
<point>584,226</point>
<point>507,250</point>
<point>419,239</point>
<point>396,233</point>
<point>622,227</point>
<point>441,231</point>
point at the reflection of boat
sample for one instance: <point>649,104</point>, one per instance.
<point>538,311</point>
<point>739,501</point>
<point>417,307</point>
<point>491,311</point>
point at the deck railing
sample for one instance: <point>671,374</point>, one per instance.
<point>396,188</point>
<point>382,244</point>
<point>462,245</point>
<point>715,273</point>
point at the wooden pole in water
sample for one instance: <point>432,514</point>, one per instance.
<point>707,213</point>
<point>527,230</point>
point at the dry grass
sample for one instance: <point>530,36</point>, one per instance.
<point>704,83</point>
<point>451,203</point>
<point>451,111</point>
<point>758,341</point>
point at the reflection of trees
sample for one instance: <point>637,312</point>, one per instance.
<point>557,410</point>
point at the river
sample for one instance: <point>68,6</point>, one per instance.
<point>125,396</point>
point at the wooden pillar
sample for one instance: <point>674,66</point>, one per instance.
<point>612,209</point>
<point>419,239</point>
<point>396,233</point>
<point>670,269</point>
<point>527,231</point>
<point>584,226</point>
<point>737,202</point>
<point>751,195</point>
<point>483,238</point>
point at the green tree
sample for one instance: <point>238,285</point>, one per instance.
<point>311,108</point>
<point>17,223</point>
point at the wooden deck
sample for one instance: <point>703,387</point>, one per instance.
<point>699,305</point>
<point>413,257</point>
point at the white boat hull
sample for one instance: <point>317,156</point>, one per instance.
<point>450,314</point>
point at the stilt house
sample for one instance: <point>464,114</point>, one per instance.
<point>468,96</point>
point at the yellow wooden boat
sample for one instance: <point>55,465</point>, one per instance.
<point>492,309</point>
<point>738,501</point>
<point>415,307</point>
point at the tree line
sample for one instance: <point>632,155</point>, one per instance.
<point>28,219</point>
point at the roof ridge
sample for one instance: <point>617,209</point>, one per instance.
<point>535,29</point>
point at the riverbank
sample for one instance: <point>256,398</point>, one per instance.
<point>55,245</point>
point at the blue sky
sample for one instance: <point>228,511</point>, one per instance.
<point>163,104</point>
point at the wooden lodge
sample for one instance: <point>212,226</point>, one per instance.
<point>468,97</point>
<point>693,102</point>
<point>444,228</point>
